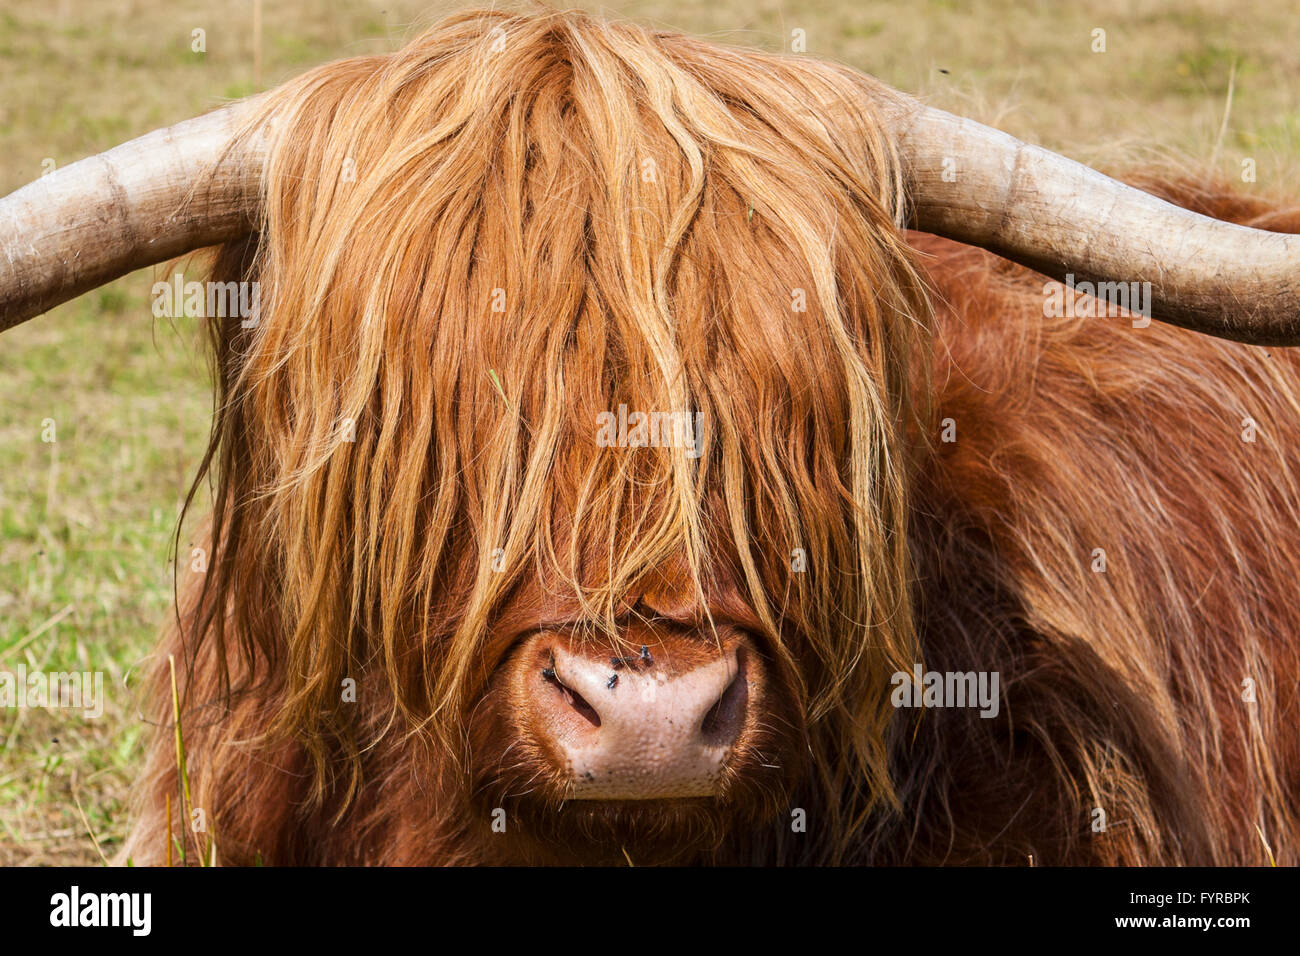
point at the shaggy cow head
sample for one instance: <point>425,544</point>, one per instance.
<point>569,367</point>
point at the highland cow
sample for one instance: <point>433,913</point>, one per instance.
<point>445,619</point>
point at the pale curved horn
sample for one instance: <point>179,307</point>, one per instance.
<point>149,200</point>
<point>1061,218</point>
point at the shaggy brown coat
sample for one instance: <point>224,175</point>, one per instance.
<point>473,247</point>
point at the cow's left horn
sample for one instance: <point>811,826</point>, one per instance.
<point>1062,218</point>
<point>157,197</point>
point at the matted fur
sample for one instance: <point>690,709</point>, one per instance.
<point>472,247</point>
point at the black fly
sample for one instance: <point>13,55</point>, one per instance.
<point>644,658</point>
<point>613,681</point>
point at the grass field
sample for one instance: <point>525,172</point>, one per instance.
<point>86,520</point>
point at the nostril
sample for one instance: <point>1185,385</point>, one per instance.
<point>724,719</point>
<point>572,697</point>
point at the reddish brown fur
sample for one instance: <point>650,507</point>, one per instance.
<point>1049,416</point>
<point>1082,433</point>
<point>1121,690</point>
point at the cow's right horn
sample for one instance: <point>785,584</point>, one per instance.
<point>162,195</point>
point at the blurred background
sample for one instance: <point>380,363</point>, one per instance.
<point>87,520</point>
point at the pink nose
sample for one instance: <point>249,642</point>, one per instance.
<point>632,729</point>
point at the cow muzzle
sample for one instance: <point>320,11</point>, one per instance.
<point>654,721</point>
